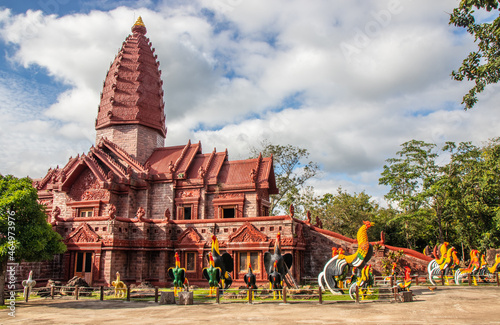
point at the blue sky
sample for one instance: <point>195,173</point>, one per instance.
<point>348,82</point>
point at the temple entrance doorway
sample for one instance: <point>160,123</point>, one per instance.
<point>83,265</point>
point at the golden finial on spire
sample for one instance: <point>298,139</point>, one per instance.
<point>139,22</point>
<point>139,27</point>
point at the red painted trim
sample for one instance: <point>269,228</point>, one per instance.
<point>327,232</point>
<point>411,252</point>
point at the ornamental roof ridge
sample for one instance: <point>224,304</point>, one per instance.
<point>108,160</point>
<point>183,154</point>
<point>94,166</point>
<point>123,154</point>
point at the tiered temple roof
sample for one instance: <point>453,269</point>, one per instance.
<point>132,91</point>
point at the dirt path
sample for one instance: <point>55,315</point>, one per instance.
<point>449,305</point>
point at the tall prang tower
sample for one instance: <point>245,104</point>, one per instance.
<point>131,111</point>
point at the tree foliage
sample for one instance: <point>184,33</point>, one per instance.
<point>291,170</point>
<point>435,194</point>
<point>483,65</point>
<point>457,201</point>
<point>343,212</point>
<point>27,230</point>
<point>410,177</point>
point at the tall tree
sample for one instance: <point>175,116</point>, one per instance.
<point>483,65</point>
<point>24,231</point>
<point>291,170</point>
<point>474,193</point>
<point>410,176</point>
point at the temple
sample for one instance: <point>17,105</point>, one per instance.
<point>130,203</point>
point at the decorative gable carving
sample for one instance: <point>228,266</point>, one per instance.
<point>247,233</point>
<point>83,234</point>
<point>87,187</point>
<point>189,236</point>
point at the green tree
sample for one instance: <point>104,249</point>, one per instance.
<point>483,65</point>
<point>25,234</point>
<point>291,172</point>
<point>344,213</point>
<point>410,176</point>
<point>473,193</point>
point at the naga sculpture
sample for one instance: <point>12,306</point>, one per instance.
<point>337,267</point>
<point>120,287</point>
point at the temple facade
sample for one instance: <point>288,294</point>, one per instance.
<point>130,203</point>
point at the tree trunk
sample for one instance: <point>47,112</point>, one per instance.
<point>440,225</point>
<point>3,273</point>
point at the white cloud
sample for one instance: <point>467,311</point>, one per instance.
<point>236,72</point>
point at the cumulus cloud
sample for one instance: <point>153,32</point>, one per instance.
<point>348,81</point>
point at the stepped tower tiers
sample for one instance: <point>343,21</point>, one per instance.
<point>131,111</point>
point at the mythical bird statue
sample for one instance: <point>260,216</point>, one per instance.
<point>338,265</point>
<point>444,265</point>
<point>283,262</point>
<point>177,274</point>
<point>472,269</point>
<point>213,275</point>
<point>224,262</point>
<point>28,285</point>
<point>250,280</point>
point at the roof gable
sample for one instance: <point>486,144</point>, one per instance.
<point>247,233</point>
<point>82,234</point>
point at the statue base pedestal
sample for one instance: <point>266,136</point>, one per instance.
<point>407,296</point>
<point>167,298</point>
<point>186,298</point>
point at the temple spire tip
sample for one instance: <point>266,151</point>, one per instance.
<point>139,26</point>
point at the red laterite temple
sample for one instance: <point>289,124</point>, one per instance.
<point>130,203</point>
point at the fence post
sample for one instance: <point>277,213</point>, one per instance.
<point>320,295</point>
<point>284,295</point>
<point>76,292</point>
<point>395,293</point>
<point>250,292</point>
<point>101,293</point>
<point>469,279</point>
<point>217,295</point>
<point>26,296</point>
<point>52,291</point>
<point>442,278</point>
<point>156,294</point>
<point>498,280</point>
<point>392,281</point>
<point>357,294</point>
<point>416,280</point>
<point>128,293</point>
